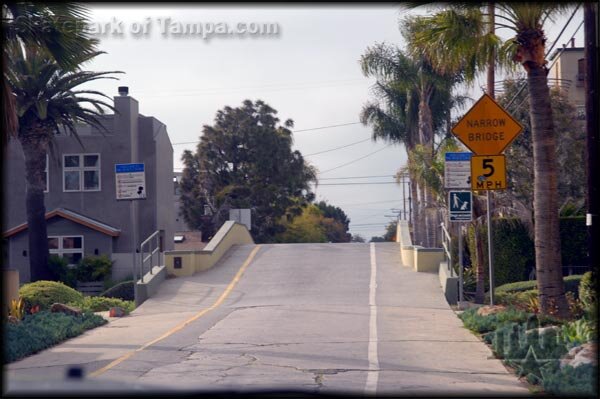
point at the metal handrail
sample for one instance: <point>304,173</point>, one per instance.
<point>151,252</point>
<point>447,244</point>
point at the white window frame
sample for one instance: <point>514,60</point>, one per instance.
<point>60,251</point>
<point>81,169</point>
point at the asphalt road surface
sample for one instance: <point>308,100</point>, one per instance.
<point>330,318</point>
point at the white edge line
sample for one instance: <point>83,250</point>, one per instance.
<point>373,373</point>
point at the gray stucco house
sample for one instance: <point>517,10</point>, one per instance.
<point>83,215</point>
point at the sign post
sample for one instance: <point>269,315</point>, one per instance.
<point>130,180</point>
<point>487,129</point>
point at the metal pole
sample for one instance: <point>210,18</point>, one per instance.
<point>490,250</point>
<point>133,247</point>
<point>461,296</point>
<point>410,204</point>
<point>404,197</point>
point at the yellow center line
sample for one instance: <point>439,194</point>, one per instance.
<point>180,326</point>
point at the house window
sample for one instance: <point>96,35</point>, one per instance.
<point>81,172</point>
<point>68,247</point>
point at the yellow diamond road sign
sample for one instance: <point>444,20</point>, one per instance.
<point>487,129</point>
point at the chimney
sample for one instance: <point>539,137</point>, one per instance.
<point>123,90</point>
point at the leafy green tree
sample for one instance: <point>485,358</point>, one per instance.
<point>357,238</point>
<point>47,99</point>
<point>390,231</point>
<point>336,222</point>
<point>245,160</point>
<point>55,28</point>
<point>454,40</point>
<point>570,136</point>
<point>304,228</point>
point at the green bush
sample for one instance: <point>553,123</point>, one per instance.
<point>587,294</point>
<point>45,293</point>
<point>100,304</point>
<point>578,332</point>
<point>122,291</point>
<point>483,324</point>
<point>42,330</point>
<point>93,268</point>
<point>513,250</point>
<point>571,285</point>
<point>59,267</point>
<point>571,381</point>
<point>573,241</point>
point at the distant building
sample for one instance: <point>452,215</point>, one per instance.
<point>83,215</point>
<point>568,74</point>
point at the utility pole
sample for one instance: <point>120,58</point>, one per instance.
<point>590,11</point>
<point>491,82</point>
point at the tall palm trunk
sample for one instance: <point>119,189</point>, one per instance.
<point>35,145</point>
<point>414,193</point>
<point>547,236</point>
<point>426,137</point>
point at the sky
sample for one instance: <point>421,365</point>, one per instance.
<point>308,71</point>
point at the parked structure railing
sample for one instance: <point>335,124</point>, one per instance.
<point>152,249</point>
<point>447,244</point>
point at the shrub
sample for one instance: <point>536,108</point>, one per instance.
<point>42,330</point>
<point>100,304</point>
<point>93,268</point>
<point>578,332</point>
<point>59,267</point>
<point>572,381</point>
<point>573,241</point>
<point>571,285</point>
<point>122,291</point>
<point>482,324</point>
<point>587,294</point>
<point>45,293</point>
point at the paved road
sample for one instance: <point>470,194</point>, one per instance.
<point>324,317</point>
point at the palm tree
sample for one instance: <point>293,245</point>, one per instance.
<point>410,89</point>
<point>47,99</point>
<point>457,38</point>
<point>54,27</point>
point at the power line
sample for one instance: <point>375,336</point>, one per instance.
<point>338,148</point>
<point>370,203</point>
<point>356,184</point>
<point>354,177</point>
<point>355,160</point>
<point>546,55</point>
<point>294,131</point>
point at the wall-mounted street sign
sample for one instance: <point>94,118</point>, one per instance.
<point>487,128</point>
<point>457,170</point>
<point>131,181</point>
<point>488,172</point>
<point>461,206</point>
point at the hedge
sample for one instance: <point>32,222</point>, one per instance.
<point>514,254</point>
<point>45,293</point>
<point>100,304</point>
<point>122,291</point>
<point>571,285</point>
<point>513,250</point>
<point>42,330</point>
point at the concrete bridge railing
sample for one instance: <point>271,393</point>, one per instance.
<point>428,260</point>
<point>186,263</point>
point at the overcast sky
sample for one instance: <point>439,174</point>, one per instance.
<point>309,72</point>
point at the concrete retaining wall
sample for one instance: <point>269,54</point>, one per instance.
<point>427,259</point>
<point>449,284</point>
<point>151,283</point>
<point>186,263</point>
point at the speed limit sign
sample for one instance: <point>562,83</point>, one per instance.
<point>488,172</point>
